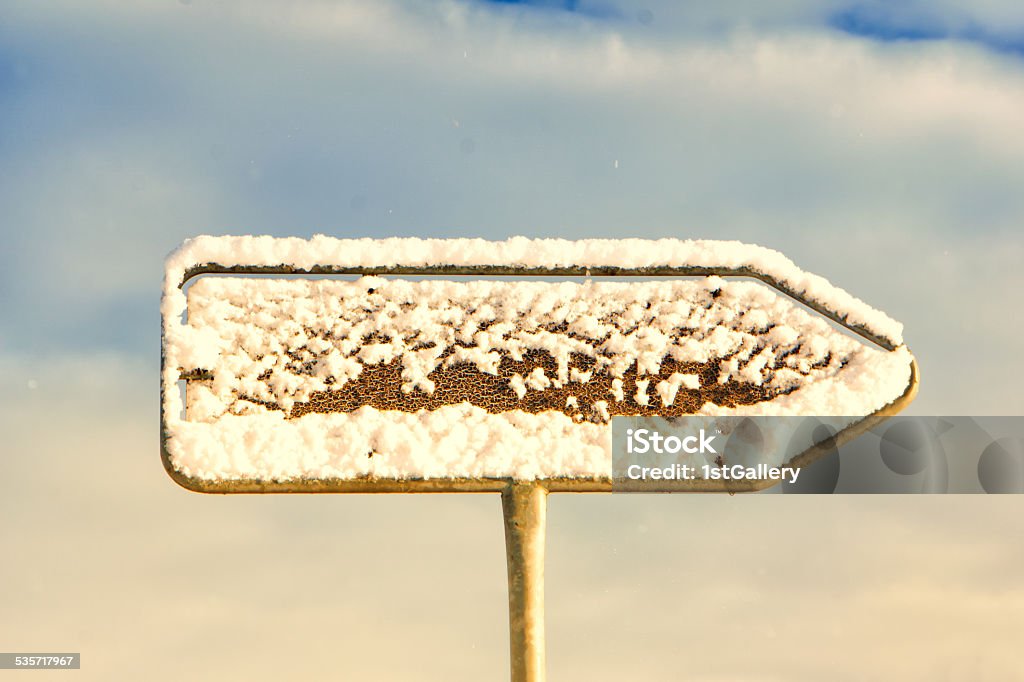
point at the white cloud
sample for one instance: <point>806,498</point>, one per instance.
<point>862,161</point>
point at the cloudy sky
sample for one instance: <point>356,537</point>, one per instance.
<point>880,145</point>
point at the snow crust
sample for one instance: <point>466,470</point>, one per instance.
<point>254,335</point>
<point>522,252</point>
<point>457,440</point>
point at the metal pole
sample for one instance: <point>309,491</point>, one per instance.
<point>524,506</point>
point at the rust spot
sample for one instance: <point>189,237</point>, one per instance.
<point>379,386</point>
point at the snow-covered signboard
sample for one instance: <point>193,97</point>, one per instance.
<point>422,365</point>
<point>411,365</point>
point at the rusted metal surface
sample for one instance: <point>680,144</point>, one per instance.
<point>379,386</point>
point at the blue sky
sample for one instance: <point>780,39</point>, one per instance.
<point>128,127</point>
<point>882,22</point>
<point>877,144</point>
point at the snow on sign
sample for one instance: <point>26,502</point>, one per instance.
<point>430,365</point>
<point>449,383</point>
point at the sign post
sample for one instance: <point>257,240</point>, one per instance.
<point>409,365</point>
<point>524,506</point>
